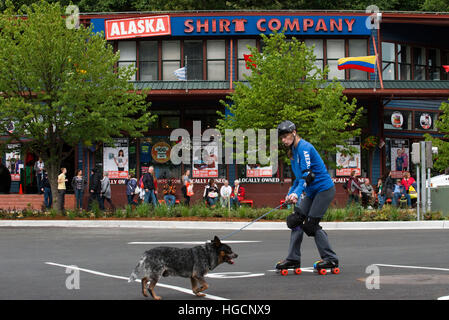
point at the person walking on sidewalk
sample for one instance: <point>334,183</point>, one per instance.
<point>106,191</point>
<point>313,179</point>
<point>62,189</point>
<point>94,188</point>
<point>46,189</point>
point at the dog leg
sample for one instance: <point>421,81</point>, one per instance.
<point>144,286</point>
<point>195,288</point>
<point>203,287</point>
<point>151,287</point>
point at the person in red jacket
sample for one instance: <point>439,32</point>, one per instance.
<point>407,181</point>
<point>238,194</point>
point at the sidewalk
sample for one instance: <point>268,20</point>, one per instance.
<point>211,225</point>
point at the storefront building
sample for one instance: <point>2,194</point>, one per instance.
<point>398,110</point>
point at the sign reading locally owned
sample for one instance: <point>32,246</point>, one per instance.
<point>151,26</point>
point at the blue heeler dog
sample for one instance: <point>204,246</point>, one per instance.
<point>193,263</point>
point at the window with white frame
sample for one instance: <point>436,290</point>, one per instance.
<point>404,62</point>
<point>317,45</point>
<point>127,55</point>
<point>216,60</point>
<point>242,49</point>
<point>357,48</point>
<point>171,59</point>
<point>335,51</point>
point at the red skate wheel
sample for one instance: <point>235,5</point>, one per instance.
<point>322,272</point>
<point>298,271</point>
<point>335,270</point>
<point>284,272</point>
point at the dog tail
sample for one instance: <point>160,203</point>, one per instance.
<point>137,269</point>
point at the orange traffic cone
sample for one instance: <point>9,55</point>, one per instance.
<point>20,189</point>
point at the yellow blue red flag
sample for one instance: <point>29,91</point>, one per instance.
<point>359,63</point>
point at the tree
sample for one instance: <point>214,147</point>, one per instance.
<point>58,86</point>
<point>441,160</point>
<point>286,84</point>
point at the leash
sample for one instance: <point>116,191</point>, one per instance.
<point>237,231</point>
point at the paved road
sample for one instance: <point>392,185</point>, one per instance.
<point>33,260</point>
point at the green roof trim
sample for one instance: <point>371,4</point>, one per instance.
<point>347,84</point>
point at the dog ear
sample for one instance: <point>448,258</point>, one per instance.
<point>216,242</point>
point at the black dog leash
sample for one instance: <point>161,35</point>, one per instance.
<point>234,232</point>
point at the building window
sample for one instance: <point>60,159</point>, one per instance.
<point>241,50</point>
<point>445,61</point>
<point>397,120</point>
<point>404,62</point>
<point>166,119</point>
<point>388,61</point>
<point>434,64</point>
<point>216,60</point>
<point>425,120</point>
<point>419,63</point>
<point>127,55</point>
<point>193,54</point>
<point>357,48</point>
<point>335,51</point>
<point>317,51</point>
<point>148,60</point>
<point>171,59</point>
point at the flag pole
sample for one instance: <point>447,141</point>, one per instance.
<point>185,66</point>
<point>378,67</point>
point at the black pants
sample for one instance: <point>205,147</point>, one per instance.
<point>93,197</point>
<point>187,198</point>
<point>61,199</point>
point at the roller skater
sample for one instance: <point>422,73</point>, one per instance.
<point>324,266</point>
<point>313,179</point>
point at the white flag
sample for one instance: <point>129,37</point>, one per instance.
<point>181,73</point>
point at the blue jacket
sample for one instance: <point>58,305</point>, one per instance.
<point>305,157</point>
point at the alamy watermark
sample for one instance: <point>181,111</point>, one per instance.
<point>373,280</point>
<point>201,147</point>
<point>73,280</point>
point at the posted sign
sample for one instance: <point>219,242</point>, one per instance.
<point>137,27</point>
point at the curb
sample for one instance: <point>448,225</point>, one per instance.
<point>212,225</point>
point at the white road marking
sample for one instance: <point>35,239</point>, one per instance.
<point>190,242</point>
<point>443,298</point>
<point>188,291</point>
<point>233,275</point>
<point>410,267</point>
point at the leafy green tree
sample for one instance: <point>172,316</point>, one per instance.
<point>58,86</point>
<point>285,84</point>
<point>441,160</point>
<point>435,5</point>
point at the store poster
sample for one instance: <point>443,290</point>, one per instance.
<point>397,120</point>
<point>205,161</point>
<point>256,171</point>
<point>13,161</point>
<point>347,163</point>
<point>399,151</point>
<point>116,160</point>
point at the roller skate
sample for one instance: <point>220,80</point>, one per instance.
<point>322,267</point>
<point>282,267</point>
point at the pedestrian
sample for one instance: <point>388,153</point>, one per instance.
<point>131,187</point>
<point>62,189</point>
<point>313,179</point>
<point>367,194</point>
<point>148,185</point>
<point>237,194</point>
<point>94,188</point>
<point>170,193</point>
<point>354,189</point>
<point>106,191</point>
<point>225,194</point>
<point>46,189</point>
<point>400,193</point>
<point>388,187</point>
<point>186,185</point>
<point>210,194</point>
<point>380,197</point>
<point>38,169</point>
<point>78,185</point>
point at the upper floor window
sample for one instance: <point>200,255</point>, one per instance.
<point>148,60</point>
<point>357,48</point>
<point>216,60</point>
<point>127,55</point>
<point>171,59</point>
<point>404,62</point>
<point>193,55</point>
<point>335,51</point>
<point>388,61</point>
<point>242,49</point>
<point>317,45</point>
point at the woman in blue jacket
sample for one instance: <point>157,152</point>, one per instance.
<point>314,181</point>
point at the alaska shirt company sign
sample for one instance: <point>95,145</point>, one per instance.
<point>230,25</point>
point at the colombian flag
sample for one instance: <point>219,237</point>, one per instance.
<point>359,63</point>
